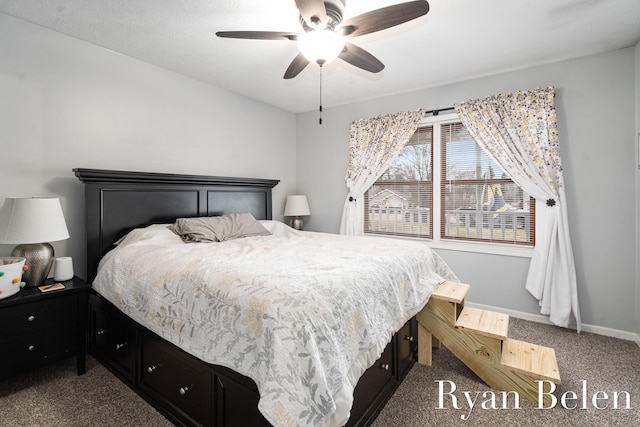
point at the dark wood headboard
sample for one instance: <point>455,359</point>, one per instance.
<point>118,201</point>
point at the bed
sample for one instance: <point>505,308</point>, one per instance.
<point>278,328</point>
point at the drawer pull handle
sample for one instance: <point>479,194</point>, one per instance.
<point>153,368</point>
<point>32,347</point>
<point>101,332</point>
<point>184,390</point>
<point>31,318</point>
<point>384,366</point>
<point>119,346</point>
<point>408,338</point>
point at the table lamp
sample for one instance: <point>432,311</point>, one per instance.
<point>33,223</point>
<point>296,207</point>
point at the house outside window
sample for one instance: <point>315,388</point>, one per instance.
<point>445,188</point>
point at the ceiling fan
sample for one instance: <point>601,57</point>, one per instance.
<point>324,33</point>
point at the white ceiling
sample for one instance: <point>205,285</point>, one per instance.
<point>457,40</point>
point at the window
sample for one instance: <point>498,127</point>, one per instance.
<point>444,187</point>
<point>400,202</point>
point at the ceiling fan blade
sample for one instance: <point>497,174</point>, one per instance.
<point>258,35</point>
<point>383,18</point>
<point>298,64</point>
<point>360,58</point>
<point>312,11</point>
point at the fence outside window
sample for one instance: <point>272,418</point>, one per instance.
<point>509,226</point>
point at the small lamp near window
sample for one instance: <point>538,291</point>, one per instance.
<point>296,207</point>
<point>33,223</point>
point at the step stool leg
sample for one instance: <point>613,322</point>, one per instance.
<point>424,345</point>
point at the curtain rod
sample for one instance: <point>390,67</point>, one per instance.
<point>438,111</point>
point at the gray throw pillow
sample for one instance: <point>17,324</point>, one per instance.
<point>218,228</point>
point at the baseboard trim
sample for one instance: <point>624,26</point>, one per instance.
<point>539,318</point>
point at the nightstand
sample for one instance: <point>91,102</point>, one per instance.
<point>37,327</point>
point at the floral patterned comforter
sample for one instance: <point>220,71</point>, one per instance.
<point>303,314</point>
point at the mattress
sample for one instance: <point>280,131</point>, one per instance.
<point>303,314</point>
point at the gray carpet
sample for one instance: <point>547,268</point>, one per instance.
<point>606,364</point>
<point>56,396</point>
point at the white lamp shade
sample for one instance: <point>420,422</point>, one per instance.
<point>36,220</point>
<point>297,206</point>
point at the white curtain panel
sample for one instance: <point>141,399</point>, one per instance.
<point>373,145</point>
<point>519,131</point>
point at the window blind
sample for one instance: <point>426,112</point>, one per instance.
<point>401,201</point>
<point>478,200</point>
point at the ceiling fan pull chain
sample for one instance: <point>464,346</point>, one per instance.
<point>320,109</point>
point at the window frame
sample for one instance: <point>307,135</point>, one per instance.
<point>436,241</point>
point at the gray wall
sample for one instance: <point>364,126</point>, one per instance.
<point>595,101</point>
<point>637,147</point>
<point>65,104</point>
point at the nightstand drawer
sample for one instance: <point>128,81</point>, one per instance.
<point>177,378</point>
<point>35,349</point>
<point>40,315</point>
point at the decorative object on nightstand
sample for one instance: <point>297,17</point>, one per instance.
<point>63,269</point>
<point>296,207</point>
<point>33,223</point>
<point>11,269</point>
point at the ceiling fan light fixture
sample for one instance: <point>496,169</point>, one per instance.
<point>321,46</point>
